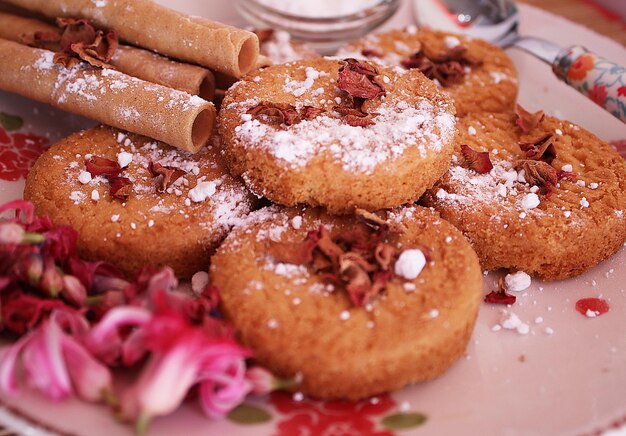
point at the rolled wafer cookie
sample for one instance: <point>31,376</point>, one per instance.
<point>147,24</point>
<point>177,118</point>
<point>133,61</point>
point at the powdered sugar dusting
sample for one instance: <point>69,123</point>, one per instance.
<point>398,127</point>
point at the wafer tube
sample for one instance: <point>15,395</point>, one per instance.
<point>108,96</point>
<point>133,61</point>
<point>149,25</point>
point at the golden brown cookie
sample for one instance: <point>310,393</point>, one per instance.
<point>551,218</point>
<point>180,227</point>
<point>299,320</point>
<point>295,137</point>
<point>480,78</point>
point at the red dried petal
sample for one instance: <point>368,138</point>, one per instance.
<point>310,112</point>
<point>496,297</point>
<point>80,40</point>
<point>598,306</point>
<point>568,175</point>
<point>475,160</point>
<point>539,173</point>
<point>500,295</point>
<point>101,166</point>
<point>527,121</point>
<point>99,52</point>
<point>447,68</point>
<point>385,255</point>
<point>542,148</point>
<point>359,79</point>
<point>121,187</point>
<point>371,53</point>
<point>168,174</point>
<point>280,113</point>
<point>355,117</point>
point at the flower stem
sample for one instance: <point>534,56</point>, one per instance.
<point>141,426</point>
<point>33,238</point>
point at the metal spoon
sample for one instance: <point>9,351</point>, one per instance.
<point>497,21</point>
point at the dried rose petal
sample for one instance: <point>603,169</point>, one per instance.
<point>527,121</point>
<point>121,187</point>
<point>542,148</point>
<point>500,295</point>
<point>539,173</point>
<point>447,68</point>
<point>310,112</point>
<point>355,117</point>
<point>280,113</point>
<point>360,79</point>
<point>81,41</point>
<point>371,53</point>
<point>100,51</point>
<point>101,166</point>
<point>169,174</point>
<point>385,255</point>
<point>475,160</point>
<point>567,175</point>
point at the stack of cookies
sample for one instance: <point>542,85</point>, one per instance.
<point>345,280</point>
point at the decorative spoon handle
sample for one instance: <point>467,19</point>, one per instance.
<point>602,81</point>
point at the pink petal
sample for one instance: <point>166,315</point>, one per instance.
<point>261,379</point>
<point>222,392</point>
<point>44,363</point>
<point>90,378</point>
<point>70,321</point>
<point>164,382</point>
<point>133,348</point>
<point>104,340</point>
<point>8,364</point>
<point>26,207</point>
<point>163,280</point>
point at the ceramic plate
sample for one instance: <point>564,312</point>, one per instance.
<point>566,376</point>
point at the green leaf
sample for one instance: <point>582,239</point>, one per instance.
<point>10,122</point>
<point>245,414</point>
<point>403,421</point>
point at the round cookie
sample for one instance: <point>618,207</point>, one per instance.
<point>516,221</point>
<point>180,227</point>
<point>298,323</point>
<point>487,83</point>
<point>328,159</point>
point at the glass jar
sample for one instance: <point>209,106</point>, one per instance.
<point>326,32</point>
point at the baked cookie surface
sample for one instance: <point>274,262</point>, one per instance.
<point>562,219</point>
<point>395,147</point>
<point>179,227</point>
<point>298,322</point>
<point>480,78</point>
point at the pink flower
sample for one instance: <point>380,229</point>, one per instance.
<point>74,291</point>
<point>106,342</point>
<point>56,363</point>
<point>183,355</point>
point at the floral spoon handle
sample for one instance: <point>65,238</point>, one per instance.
<point>604,82</point>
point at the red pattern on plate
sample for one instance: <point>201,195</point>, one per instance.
<point>18,153</point>
<point>330,418</point>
